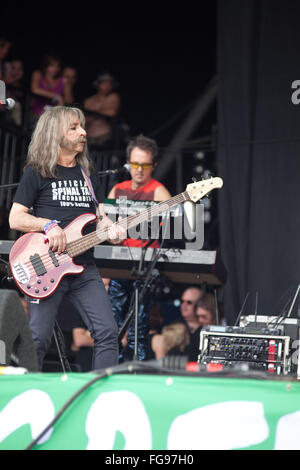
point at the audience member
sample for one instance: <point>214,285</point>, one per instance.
<point>70,74</point>
<point>173,341</point>
<point>100,109</point>
<point>5,67</point>
<point>156,320</point>
<point>153,346</point>
<point>5,72</point>
<point>49,87</point>
<point>17,68</point>
<point>16,91</point>
<point>189,298</point>
<point>176,338</point>
<point>205,311</point>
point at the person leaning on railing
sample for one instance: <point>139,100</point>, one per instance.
<point>49,87</point>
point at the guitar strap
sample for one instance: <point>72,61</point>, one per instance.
<point>90,186</point>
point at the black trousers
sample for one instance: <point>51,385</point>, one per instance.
<point>88,293</point>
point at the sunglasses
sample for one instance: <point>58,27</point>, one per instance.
<point>144,166</point>
<point>189,302</point>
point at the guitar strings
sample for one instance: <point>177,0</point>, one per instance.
<point>144,215</point>
<point>47,263</point>
<point>84,242</point>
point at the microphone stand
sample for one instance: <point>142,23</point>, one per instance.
<point>139,273</point>
<point>144,278</point>
<point>61,348</point>
<point>124,168</point>
<point>152,274</point>
<point>111,174</point>
<point>108,172</point>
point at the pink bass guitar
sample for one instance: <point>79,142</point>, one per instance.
<point>38,271</point>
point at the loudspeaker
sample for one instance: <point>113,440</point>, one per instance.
<point>16,343</point>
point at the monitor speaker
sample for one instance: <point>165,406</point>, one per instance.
<point>16,343</point>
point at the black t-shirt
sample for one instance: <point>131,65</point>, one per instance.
<point>63,198</point>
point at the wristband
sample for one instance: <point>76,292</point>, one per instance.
<point>49,225</point>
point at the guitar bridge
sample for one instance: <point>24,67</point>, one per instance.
<point>21,273</point>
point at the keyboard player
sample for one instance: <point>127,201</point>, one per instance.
<point>141,154</point>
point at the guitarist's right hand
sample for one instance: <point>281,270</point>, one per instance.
<point>57,239</point>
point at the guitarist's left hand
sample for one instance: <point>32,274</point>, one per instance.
<point>116,233</point>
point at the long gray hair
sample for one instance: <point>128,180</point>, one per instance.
<point>44,148</point>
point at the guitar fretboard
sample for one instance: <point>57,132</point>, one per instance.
<point>79,246</point>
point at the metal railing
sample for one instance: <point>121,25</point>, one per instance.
<point>13,146</point>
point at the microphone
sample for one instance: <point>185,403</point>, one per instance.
<point>125,167</point>
<point>7,103</point>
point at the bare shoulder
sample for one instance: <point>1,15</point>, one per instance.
<point>36,73</point>
<point>161,194</point>
<point>90,101</point>
<point>113,97</point>
<point>158,346</point>
<point>111,194</point>
<point>157,342</point>
<point>36,76</point>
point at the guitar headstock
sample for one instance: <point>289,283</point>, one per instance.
<point>199,189</point>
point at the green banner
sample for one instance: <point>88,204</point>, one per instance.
<point>149,412</point>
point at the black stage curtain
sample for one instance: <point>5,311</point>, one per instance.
<point>259,152</point>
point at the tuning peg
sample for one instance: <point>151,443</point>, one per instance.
<point>194,179</point>
<point>208,174</point>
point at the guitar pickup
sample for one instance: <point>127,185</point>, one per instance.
<point>38,265</point>
<point>54,259</point>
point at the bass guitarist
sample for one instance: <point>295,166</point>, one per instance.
<point>59,184</point>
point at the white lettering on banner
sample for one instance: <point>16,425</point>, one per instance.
<point>33,407</point>
<point>288,432</point>
<point>118,411</point>
<point>222,426</point>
